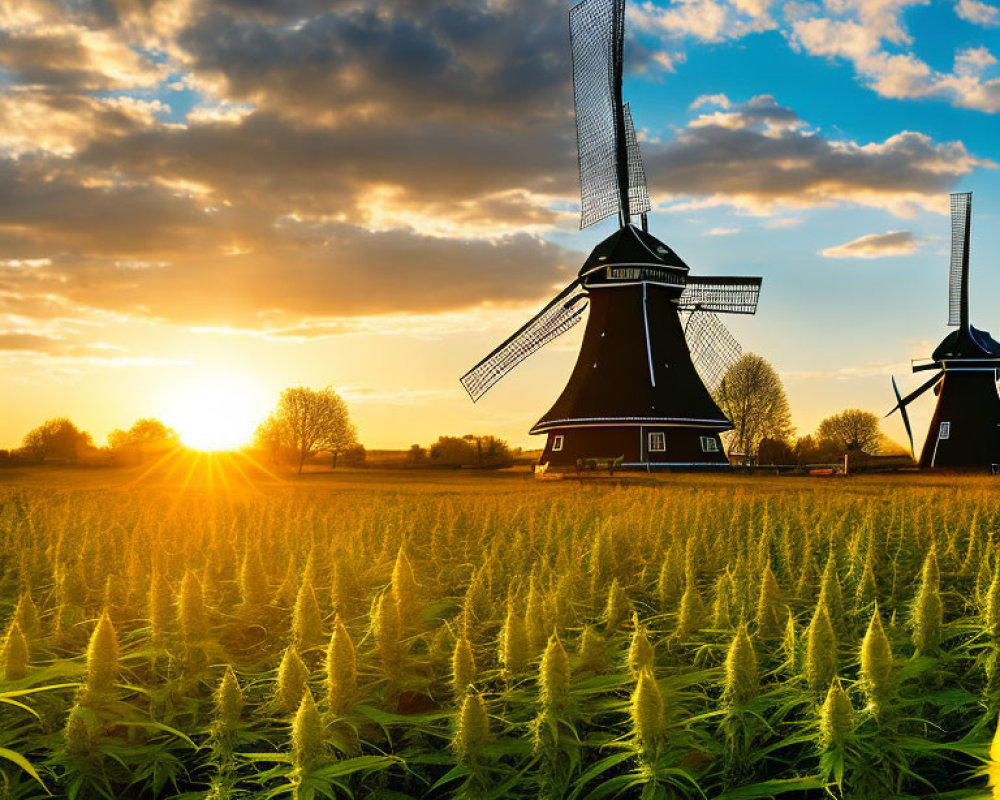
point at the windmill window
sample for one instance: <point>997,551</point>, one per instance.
<point>944,432</point>
<point>709,444</point>
<point>657,443</point>
<point>557,443</point>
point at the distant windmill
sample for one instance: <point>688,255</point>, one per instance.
<point>964,430</point>
<point>641,386</point>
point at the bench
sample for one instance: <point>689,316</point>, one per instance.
<point>594,464</point>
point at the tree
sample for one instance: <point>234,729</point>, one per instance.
<point>306,422</point>
<point>416,455</point>
<point>852,429</point>
<point>274,436</point>
<point>145,437</point>
<point>810,450</point>
<point>491,451</point>
<point>470,451</point>
<point>57,438</point>
<point>775,451</point>
<point>752,396</point>
<point>341,435</point>
<point>355,455</point>
<point>146,431</point>
<point>452,451</point>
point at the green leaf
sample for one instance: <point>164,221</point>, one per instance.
<point>16,758</point>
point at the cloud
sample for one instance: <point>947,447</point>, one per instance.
<point>30,341</point>
<point>339,169</point>
<point>859,33</point>
<point>978,13</point>
<point>870,34</point>
<point>760,158</point>
<point>74,57</point>
<point>721,231</point>
<point>60,123</point>
<point>706,20</point>
<point>875,245</point>
<point>333,269</point>
<point>454,60</point>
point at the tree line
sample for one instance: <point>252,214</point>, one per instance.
<point>306,426</point>
<point>309,425</point>
<point>61,440</point>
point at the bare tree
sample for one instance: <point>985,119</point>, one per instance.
<point>852,429</point>
<point>752,396</point>
<point>308,421</point>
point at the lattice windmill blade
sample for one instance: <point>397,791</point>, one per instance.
<point>561,314</point>
<point>958,279</point>
<point>597,37</point>
<point>595,52</point>
<point>638,192</point>
<point>713,348</point>
<point>721,294</point>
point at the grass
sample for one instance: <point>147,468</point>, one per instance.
<point>207,628</point>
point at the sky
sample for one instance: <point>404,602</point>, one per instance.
<point>205,201</point>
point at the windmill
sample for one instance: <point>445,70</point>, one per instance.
<point>964,429</point>
<point>654,347</point>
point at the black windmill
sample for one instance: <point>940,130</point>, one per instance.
<point>964,430</point>
<point>654,347</point>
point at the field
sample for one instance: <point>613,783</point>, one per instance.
<point>212,630</point>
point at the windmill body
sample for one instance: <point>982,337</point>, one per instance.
<point>653,348</point>
<point>965,429</point>
<point>634,392</point>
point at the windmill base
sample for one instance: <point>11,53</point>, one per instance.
<point>636,447</point>
<point>965,429</point>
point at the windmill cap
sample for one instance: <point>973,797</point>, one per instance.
<point>634,247</point>
<point>969,343</point>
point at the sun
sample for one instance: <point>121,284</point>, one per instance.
<point>215,414</point>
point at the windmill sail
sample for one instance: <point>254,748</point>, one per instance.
<point>713,348</point>
<point>903,402</point>
<point>561,314</point>
<point>638,194</point>
<point>721,294</point>
<point>958,280</point>
<point>597,40</point>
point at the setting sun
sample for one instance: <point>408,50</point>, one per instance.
<point>215,414</point>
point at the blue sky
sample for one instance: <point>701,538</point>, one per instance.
<point>371,195</point>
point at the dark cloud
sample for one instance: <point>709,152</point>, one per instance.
<point>289,162</point>
<point>459,60</point>
<point>74,58</point>
<point>398,158</point>
<point>345,271</point>
<point>759,154</point>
